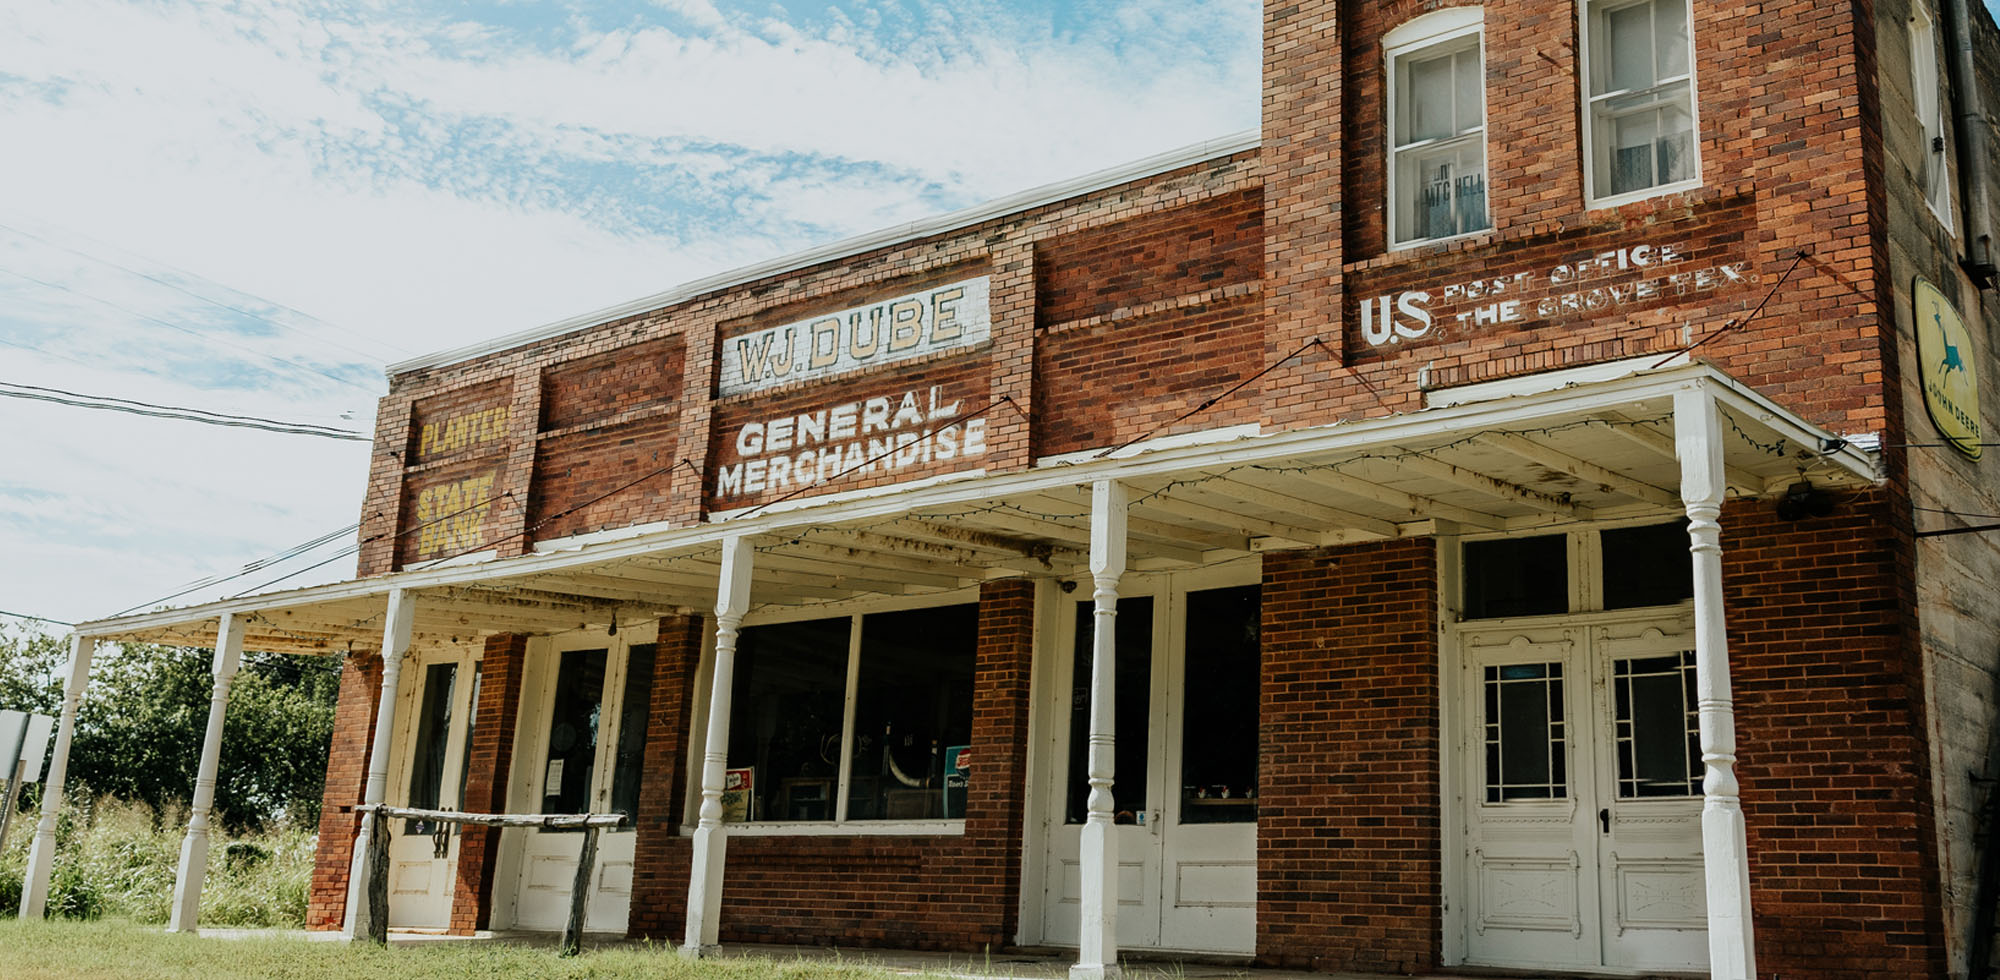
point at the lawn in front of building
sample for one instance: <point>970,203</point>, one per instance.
<point>120,950</point>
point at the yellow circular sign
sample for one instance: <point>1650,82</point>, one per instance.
<point>1948,368</point>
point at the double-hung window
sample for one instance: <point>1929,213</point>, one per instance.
<point>1639,104</point>
<point>1933,168</point>
<point>858,718</point>
<point>1437,108</point>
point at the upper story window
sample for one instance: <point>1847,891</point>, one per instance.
<point>1933,167</point>
<point>1639,105</point>
<point>1437,111</point>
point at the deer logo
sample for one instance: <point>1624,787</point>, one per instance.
<point>1952,361</point>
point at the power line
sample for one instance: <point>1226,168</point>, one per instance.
<point>38,619</point>
<point>109,404</point>
<point>211,301</point>
<point>192,332</point>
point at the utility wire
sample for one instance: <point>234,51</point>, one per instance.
<point>192,332</point>
<point>129,407</point>
<point>1798,257</point>
<point>38,619</point>
<point>261,563</point>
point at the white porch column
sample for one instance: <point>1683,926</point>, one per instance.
<point>711,837</point>
<point>1732,951</point>
<point>42,850</point>
<point>194,850</point>
<point>396,628</point>
<point>1097,854</point>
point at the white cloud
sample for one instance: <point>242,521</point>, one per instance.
<point>425,183</point>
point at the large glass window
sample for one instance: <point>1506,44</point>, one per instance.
<point>433,741</point>
<point>892,692</point>
<point>1437,95</point>
<point>1640,112</point>
<point>634,713</point>
<point>574,719</point>
<point>1223,689</point>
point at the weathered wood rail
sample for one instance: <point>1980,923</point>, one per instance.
<point>579,893</point>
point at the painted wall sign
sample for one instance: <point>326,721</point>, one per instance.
<point>887,433</point>
<point>1949,369</point>
<point>1594,284</point>
<point>452,516</point>
<point>949,317</point>
<point>462,431</point>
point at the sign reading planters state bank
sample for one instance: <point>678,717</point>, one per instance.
<point>954,316</point>
<point>1948,366</point>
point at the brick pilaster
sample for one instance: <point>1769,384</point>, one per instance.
<point>491,759</point>
<point>346,778</point>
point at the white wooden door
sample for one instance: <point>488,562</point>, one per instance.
<point>1185,780</point>
<point>585,743</point>
<point>435,716</point>
<point>1581,782</point>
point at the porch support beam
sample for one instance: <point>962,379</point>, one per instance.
<point>1097,855</point>
<point>1584,470</point>
<point>186,912</point>
<point>1417,507</point>
<point>42,850</point>
<point>704,907</point>
<point>398,622</point>
<point>1547,503</point>
<point>1725,847</point>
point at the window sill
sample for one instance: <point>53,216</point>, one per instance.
<point>852,828</point>
<point>1633,197</point>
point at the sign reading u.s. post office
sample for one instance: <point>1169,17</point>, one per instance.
<point>1948,368</point>
<point>954,316</point>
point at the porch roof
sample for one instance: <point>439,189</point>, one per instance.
<point>1542,451</point>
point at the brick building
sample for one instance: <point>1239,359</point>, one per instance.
<point>1510,502</point>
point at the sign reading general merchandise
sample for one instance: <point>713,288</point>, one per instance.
<point>902,434</point>
<point>1948,367</point>
<point>954,316</point>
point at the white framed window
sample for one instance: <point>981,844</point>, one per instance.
<point>853,721</point>
<point>1933,163</point>
<point>1639,105</point>
<point>1436,70</point>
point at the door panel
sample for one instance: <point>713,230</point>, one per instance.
<point>436,715</point>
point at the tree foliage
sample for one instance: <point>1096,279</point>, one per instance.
<point>141,723</point>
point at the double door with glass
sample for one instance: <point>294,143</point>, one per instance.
<point>1185,783</point>
<point>435,714</point>
<point>585,708</point>
<point>1580,794</point>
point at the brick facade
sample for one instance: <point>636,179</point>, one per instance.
<point>346,778</point>
<point>1348,869</point>
<point>488,763</point>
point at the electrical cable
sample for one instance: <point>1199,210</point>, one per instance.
<point>214,580</point>
<point>1797,258</point>
<point>38,619</point>
<point>1239,386</point>
<point>102,403</point>
<point>174,408</point>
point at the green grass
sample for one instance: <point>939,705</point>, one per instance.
<point>111,861</point>
<point>120,950</point>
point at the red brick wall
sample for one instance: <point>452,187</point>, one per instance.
<point>659,855</point>
<point>603,387</point>
<point>1348,846</point>
<point>1830,729</point>
<point>346,779</point>
<point>612,477</point>
<point>956,893</point>
<point>487,766</point>
<point>1156,256</point>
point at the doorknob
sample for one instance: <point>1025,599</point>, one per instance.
<point>1604,819</point>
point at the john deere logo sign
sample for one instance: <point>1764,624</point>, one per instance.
<point>1948,368</point>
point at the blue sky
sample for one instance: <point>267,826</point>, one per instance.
<point>249,207</point>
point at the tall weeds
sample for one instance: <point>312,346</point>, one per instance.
<point>111,860</point>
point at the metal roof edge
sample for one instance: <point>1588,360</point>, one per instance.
<point>1031,198</point>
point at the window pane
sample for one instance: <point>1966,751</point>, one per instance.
<point>1134,688</point>
<point>1219,731</point>
<point>913,709</point>
<point>635,711</point>
<point>1428,100</point>
<point>1646,566</point>
<point>789,695</point>
<point>1471,82</point>
<point>1516,577</point>
<point>573,722</point>
<point>1659,743</point>
<point>433,738</point>
<point>1629,46</point>
<point>1525,753</point>
<point>1670,35</point>
<point>1676,144</point>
